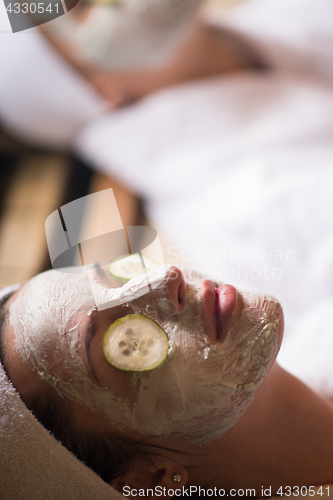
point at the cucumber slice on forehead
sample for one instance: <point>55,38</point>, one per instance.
<point>128,267</point>
<point>135,343</point>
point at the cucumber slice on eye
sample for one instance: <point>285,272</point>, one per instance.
<point>135,343</point>
<point>125,268</point>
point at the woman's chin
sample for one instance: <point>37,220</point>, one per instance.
<point>267,309</point>
<point>281,328</point>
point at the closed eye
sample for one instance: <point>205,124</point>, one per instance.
<point>99,322</point>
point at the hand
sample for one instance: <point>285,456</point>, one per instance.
<point>124,88</point>
<point>112,87</point>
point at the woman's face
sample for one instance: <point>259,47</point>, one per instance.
<point>222,345</point>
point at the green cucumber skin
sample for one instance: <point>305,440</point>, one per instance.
<point>122,278</point>
<point>114,325</point>
<point>119,278</point>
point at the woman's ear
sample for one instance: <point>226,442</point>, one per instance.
<point>172,477</point>
<point>154,484</point>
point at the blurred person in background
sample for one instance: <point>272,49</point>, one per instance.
<point>99,57</point>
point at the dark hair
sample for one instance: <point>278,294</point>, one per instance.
<point>3,319</point>
<point>108,455</point>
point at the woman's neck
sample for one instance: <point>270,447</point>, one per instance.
<point>284,439</point>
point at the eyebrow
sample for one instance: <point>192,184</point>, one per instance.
<point>91,331</point>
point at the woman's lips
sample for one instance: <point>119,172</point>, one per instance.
<point>226,302</point>
<point>219,305</point>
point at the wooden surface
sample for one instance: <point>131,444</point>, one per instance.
<point>37,183</point>
<point>35,190</point>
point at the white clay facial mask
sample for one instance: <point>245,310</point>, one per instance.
<point>50,318</point>
<point>203,389</point>
<point>199,392</point>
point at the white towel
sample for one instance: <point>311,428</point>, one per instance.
<point>33,464</point>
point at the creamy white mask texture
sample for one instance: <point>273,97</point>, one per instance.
<point>200,391</point>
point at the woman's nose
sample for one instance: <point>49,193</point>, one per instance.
<point>176,286</point>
